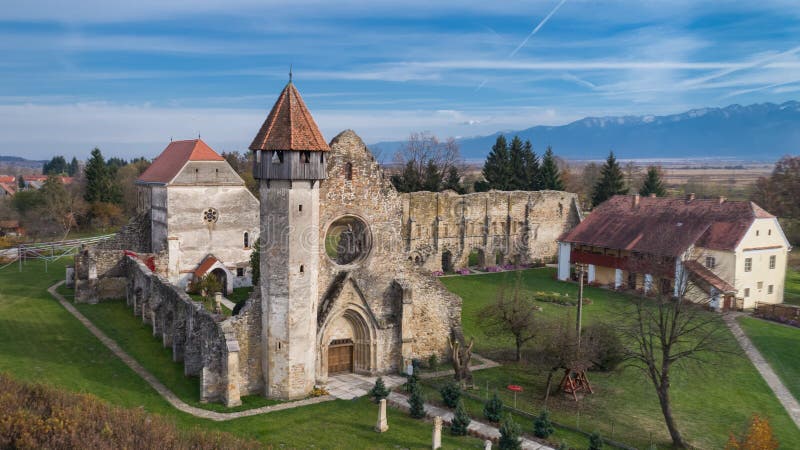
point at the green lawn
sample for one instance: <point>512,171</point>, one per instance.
<point>779,344</point>
<point>42,342</point>
<point>709,402</point>
<point>240,294</point>
<point>792,289</point>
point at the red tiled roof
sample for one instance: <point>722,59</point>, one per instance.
<point>7,178</point>
<point>174,157</point>
<point>43,178</point>
<point>10,188</point>
<point>205,265</point>
<point>6,224</point>
<point>289,126</point>
<point>665,225</point>
<point>699,272</point>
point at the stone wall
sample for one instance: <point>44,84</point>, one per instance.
<point>441,229</point>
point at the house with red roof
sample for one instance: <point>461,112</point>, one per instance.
<point>727,253</point>
<point>202,216</point>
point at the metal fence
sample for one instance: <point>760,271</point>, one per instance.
<point>46,251</point>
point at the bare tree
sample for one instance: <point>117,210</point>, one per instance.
<point>424,155</point>
<point>461,357</point>
<point>512,314</point>
<point>665,330</point>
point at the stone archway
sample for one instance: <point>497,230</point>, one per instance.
<point>222,277</point>
<point>347,343</point>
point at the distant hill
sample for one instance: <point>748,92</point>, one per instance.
<point>763,131</point>
<point>16,161</point>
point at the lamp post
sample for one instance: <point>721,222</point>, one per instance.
<point>581,268</point>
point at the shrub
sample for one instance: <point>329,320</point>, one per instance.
<point>509,434</point>
<point>607,347</point>
<point>433,361</point>
<point>542,427</point>
<point>493,409</point>
<point>461,420</point>
<point>411,381</point>
<point>319,392</point>
<point>595,442</point>
<point>416,403</point>
<point>451,394</point>
<point>379,391</point>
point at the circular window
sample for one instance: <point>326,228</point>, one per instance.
<point>347,240</point>
<point>210,215</point>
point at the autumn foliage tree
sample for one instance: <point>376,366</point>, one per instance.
<point>758,437</point>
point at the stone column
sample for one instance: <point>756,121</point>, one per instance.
<point>218,302</point>
<point>563,260</point>
<point>591,274</point>
<point>437,432</point>
<point>487,445</point>
<point>617,278</point>
<point>383,425</point>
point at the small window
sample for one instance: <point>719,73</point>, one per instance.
<point>246,239</point>
<point>300,208</point>
<point>770,289</point>
<point>239,272</point>
<point>258,156</point>
<point>301,268</point>
<point>760,285</point>
<point>748,264</point>
<point>746,292</point>
<point>772,260</point>
<point>757,232</point>
<point>305,157</point>
<point>348,171</point>
<point>216,170</point>
<point>769,232</point>
<point>321,158</point>
<point>277,157</point>
<point>711,262</point>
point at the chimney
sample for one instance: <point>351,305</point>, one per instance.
<point>722,199</point>
<point>635,200</point>
<point>689,197</point>
<point>652,195</point>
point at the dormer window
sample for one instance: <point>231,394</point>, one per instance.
<point>277,157</point>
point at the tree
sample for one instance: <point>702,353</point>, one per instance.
<point>652,183</point>
<point>126,180</point>
<point>778,194</point>
<point>542,426</point>
<point>611,182</point>
<point>758,437</point>
<point>453,181</point>
<point>632,175</point>
<point>595,442</point>
<point>512,313</point>
<point>56,166</point>
<point>419,156</point>
<point>432,180</point>
<point>451,394</point>
<point>379,391</point>
<point>461,420</point>
<point>255,263</point>
<point>493,408</point>
<point>549,176</point>
<point>663,332</point>
<point>531,168</point>
<point>416,403</point>
<point>61,205</point>
<point>461,355</point>
<point>516,161</point>
<point>73,168</point>
<point>510,433</point>
<point>100,184</point>
<point>497,169</point>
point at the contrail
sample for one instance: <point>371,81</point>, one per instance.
<point>538,27</point>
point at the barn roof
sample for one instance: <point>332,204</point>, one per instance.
<point>289,126</point>
<point>665,225</point>
<point>167,165</point>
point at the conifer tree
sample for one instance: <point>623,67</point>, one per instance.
<point>509,434</point>
<point>542,426</point>
<point>408,180</point>
<point>255,263</point>
<point>516,159</point>
<point>611,183</point>
<point>493,409</point>
<point>549,177</point>
<point>531,163</point>
<point>497,169</point>
<point>56,166</point>
<point>461,420</point>
<point>101,186</point>
<point>379,391</point>
<point>432,178</point>
<point>652,183</point>
<point>453,181</point>
<point>416,403</point>
<point>73,168</point>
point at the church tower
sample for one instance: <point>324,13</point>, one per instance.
<point>290,157</point>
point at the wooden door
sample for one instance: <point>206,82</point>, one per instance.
<point>340,357</point>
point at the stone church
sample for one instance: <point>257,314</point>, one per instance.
<point>346,262</point>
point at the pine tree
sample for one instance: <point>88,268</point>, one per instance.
<point>379,391</point>
<point>493,409</point>
<point>255,263</point>
<point>453,181</point>
<point>416,403</point>
<point>56,166</point>
<point>549,177</point>
<point>409,180</point>
<point>531,163</point>
<point>611,182</point>
<point>451,394</point>
<point>509,434</point>
<point>652,183</point>
<point>97,177</point>
<point>461,420</point>
<point>73,168</point>
<point>497,168</point>
<point>595,442</point>
<point>516,158</point>
<point>542,427</point>
<point>432,180</point>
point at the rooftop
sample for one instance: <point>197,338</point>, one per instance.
<point>167,165</point>
<point>289,126</point>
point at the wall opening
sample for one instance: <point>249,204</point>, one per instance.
<point>348,171</point>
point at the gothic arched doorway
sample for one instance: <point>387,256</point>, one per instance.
<point>222,278</point>
<point>447,261</point>
<point>348,344</point>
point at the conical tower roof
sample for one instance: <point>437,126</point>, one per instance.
<point>289,126</point>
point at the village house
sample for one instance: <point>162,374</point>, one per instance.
<point>202,217</point>
<point>37,181</point>
<point>728,253</point>
<point>8,185</point>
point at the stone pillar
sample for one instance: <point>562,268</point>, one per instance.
<point>487,445</point>
<point>563,260</point>
<point>648,283</point>
<point>437,432</point>
<point>617,278</point>
<point>232,395</point>
<point>591,273</point>
<point>383,425</point>
<point>218,302</point>
<point>406,323</point>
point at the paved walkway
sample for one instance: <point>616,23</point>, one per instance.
<point>168,395</point>
<point>784,396</point>
<point>228,304</point>
<point>486,363</point>
<point>475,428</point>
<point>350,385</point>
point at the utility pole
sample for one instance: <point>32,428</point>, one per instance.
<point>580,303</point>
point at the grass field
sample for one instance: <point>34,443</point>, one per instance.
<point>778,344</point>
<point>792,289</point>
<point>43,343</point>
<point>709,402</point>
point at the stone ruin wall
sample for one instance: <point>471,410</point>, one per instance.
<point>225,354</point>
<point>515,227</point>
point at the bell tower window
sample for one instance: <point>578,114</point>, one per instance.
<point>305,157</point>
<point>348,171</point>
<point>277,157</point>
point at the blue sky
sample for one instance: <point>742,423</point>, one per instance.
<point>126,77</point>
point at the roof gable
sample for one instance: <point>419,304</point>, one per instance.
<point>289,126</point>
<point>170,162</point>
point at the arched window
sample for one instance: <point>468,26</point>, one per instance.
<point>348,171</point>
<point>246,239</point>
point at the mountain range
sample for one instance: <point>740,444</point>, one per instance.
<point>763,132</point>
